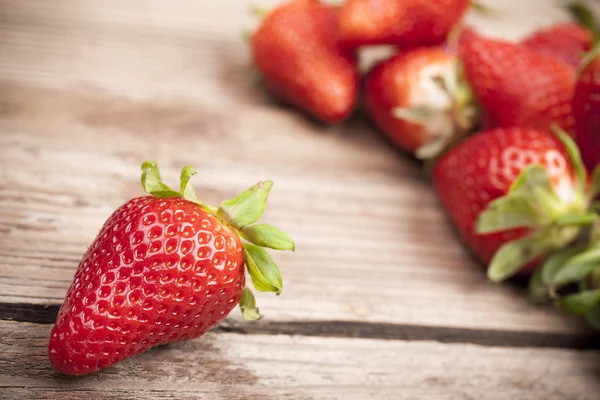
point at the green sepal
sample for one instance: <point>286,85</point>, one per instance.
<point>187,189</point>
<point>481,8</point>
<point>510,211</point>
<point>580,303</point>
<point>553,263</point>
<point>577,268</point>
<point>417,115</point>
<point>153,184</point>
<point>538,292</point>
<point>248,207</point>
<point>532,176</point>
<point>248,306</point>
<point>259,12</point>
<point>265,235</point>
<point>263,271</point>
<point>514,255</point>
<point>576,219</point>
<point>574,155</point>
<point>530,202</point>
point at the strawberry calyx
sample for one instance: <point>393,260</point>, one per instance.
<point>241,215</point>
<point>576,266</point>
<point>556,217</point>
<point>449,114</point>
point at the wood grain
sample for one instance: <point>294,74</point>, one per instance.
<point>372,243</point>
<point>89,90</point>
<point>233,366</point>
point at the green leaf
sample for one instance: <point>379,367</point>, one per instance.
<point>574,155</point>
<point>153,184</point>
<point>584,16</point>
<point>263,271</point>
<point>577,267</point>
<point>248,207</point>
<point>510,211</point>
<point>580,303</point>
<point>248,306</point>
<point>513,256</point>
<point>554,263</point>
<point>266,235</point>
<point>538,292</point>
<point>576,219</point>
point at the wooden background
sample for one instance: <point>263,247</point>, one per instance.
<point>380,300</point>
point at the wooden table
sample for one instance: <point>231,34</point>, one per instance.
<point>380,299</point>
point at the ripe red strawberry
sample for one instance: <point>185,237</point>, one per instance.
<point>163,268</point>
<point>405,23</point>
<point>514,195</point>
<point>586,109</point>
<point>567,42</point>
<point>517,86</point>
<point>419,101</point>
<point>296,51</point>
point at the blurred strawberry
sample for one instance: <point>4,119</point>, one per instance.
<point>296,51</point>
<point>586,109</point>
<point>514,195</point>
<point>405,23</point>
<point>418,100</point>
<point>515,85</point>
<point>567,42</point>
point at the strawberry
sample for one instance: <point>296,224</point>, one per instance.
<point>514,195</point>
<point>567,42</point>
<point>515,85</point>
<point>417,99</point>
<point>586,109</point>
<point>295,49</point>
<point>164,267</point>
<point>405,23</point>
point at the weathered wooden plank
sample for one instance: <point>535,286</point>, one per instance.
<point>232,366</point>
<point>91,89</point>
<point>373,245</point>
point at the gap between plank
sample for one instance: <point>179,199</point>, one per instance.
<point>46,314</point>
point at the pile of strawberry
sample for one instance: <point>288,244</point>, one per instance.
<point>511,131</point>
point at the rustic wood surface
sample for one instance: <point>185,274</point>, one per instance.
<point>232,366</point>
<point>380,300</point>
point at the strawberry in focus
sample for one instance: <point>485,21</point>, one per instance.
<point>567,42</point>
<point>295,49</point>
<point>404,23</point>
<point>514,195</point>
<point>163,268</point>
<point>586,109</point>
<point>517,86</point>
<point>419,101</point>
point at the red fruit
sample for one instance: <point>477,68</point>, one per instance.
<point>506,189</point>
<point>296,51</point>
<point>517,86</point>
<point>405,23</point>
<point>567,42</point>
<point>161,270</point>
<point>586,109</point>
<point>418,101</point>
